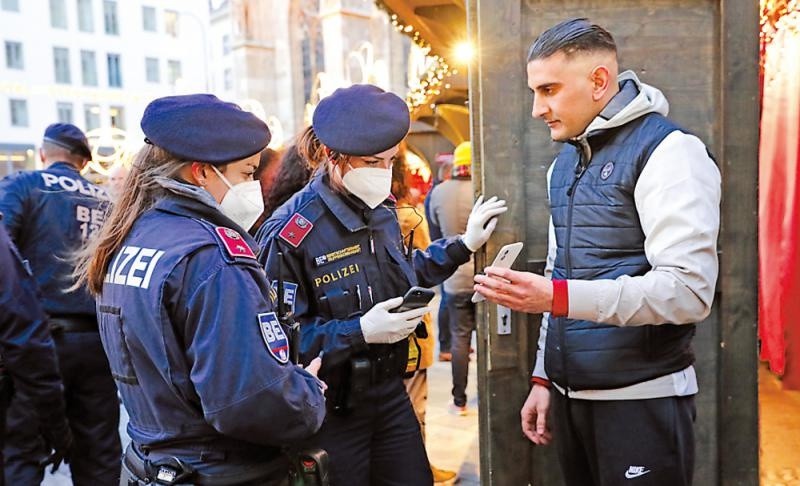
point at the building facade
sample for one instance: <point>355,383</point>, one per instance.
<point>93,63</point>
<point>281,56</point>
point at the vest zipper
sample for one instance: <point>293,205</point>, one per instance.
<point>580,169</point>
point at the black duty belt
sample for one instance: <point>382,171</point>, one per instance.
<point>171,470</point>
<point>72,324</point>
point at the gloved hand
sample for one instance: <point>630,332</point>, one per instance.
<point>380,326</point>
<point>478,232</point>
<point>58,442</point>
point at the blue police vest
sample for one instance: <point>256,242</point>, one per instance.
<point>599,236</point>
<point>340,258</point>
<point>193,341</point>
<point>49,214</point>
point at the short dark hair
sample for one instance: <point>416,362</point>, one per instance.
<point>569,37</point>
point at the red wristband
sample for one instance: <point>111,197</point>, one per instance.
<point>560,299</point>
<point>535,380</point>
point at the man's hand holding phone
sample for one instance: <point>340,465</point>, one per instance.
<point>504,259</point>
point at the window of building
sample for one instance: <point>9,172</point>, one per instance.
<point>19,113</point>
<point>312,53</point>
<point>10,5</point>
<point>227,78</point>
<point>88,68</point>
<point>91,115</point>
<point>64,112</point>
<point>173,72</point>
<point>152,70</point>
<point>171,22</point>
<point>117,114</point>
<point>61,65</point>
<point>14,55</point>
<point>114,71</point>
<point>110,17</point>
<point>226,44</point>
<point>58,14</point>
<point>85,16</point>
<point>149,19</point>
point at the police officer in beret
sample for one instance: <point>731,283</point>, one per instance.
<point>185,312</point>
<point>339,247</point>
<point>28,363</point>
<point>49,214</point>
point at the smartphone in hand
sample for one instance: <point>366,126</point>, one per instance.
<point>415,298</point>
<point>504,259</point>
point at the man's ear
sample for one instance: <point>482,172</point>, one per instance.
<point>601,81</point>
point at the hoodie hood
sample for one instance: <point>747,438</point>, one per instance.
<point>645,99</point>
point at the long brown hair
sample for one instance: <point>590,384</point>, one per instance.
<point>140,192</point>
<point>319,158</point>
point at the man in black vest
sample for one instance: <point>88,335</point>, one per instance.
<point>632,265</point>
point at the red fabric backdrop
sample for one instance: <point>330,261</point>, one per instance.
<point>779,204</point>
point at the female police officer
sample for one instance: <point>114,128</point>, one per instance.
<point>338,244</point>
<point>198,355</point>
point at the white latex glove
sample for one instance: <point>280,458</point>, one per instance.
<point>380,326</point>
<point>476,235</point>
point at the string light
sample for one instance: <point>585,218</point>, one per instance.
<point>438,71</point>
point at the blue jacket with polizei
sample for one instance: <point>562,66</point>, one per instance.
<point>186,318</point>
<point>599,236</point>
<point>49,214</point>
<point>26,347</point>
<point>345,259</point>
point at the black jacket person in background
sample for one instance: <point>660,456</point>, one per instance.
<point>49,214</point>
<point>27,355</point>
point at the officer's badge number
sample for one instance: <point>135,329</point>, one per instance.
<point>274,337</point>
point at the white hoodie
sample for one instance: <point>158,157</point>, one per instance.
<point>677,197</point>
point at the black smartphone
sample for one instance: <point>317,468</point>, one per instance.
<point>415,298</point>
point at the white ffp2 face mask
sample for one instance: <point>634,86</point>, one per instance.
<point>370,184</point>
<point>243,202</point>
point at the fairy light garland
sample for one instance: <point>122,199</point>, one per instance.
<point>431,82</point>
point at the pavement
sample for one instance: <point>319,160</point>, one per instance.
<point>779,431</point>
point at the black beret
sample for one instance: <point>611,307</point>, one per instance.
<point>70,137</point>
<point>361,120</point>
<point>203,128</point>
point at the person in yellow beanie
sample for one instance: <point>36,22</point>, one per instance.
<point>450,205</point>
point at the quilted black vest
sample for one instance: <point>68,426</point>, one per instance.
<point>599,236</point>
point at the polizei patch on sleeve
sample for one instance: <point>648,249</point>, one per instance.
<point>274,337</point>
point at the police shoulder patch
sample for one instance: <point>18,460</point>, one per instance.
<point>296,230</point>
<point>234,243</point>
<point>274,337</point>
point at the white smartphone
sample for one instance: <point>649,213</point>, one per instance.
<point>505,258</point>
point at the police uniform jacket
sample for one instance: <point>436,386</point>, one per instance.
<point>193,343</point>
<point>49,214</point>
<point>340,258</point>
<point>26,349</point>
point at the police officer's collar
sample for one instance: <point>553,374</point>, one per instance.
<point>344,212</point>
<point>189,200</point>
<point>63,163</point>
<point>188,190</point>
